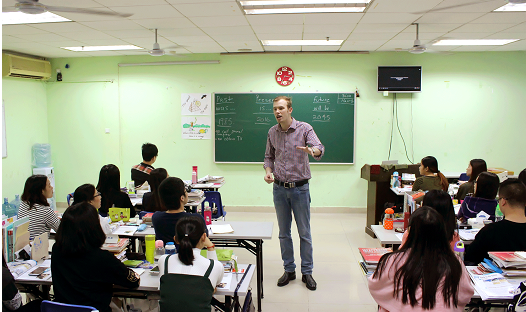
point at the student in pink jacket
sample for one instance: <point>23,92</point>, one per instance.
<point>424,274</point>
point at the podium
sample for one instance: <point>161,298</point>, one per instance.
<point>379,191</point>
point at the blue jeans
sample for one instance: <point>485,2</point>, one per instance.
<point>287,201</point>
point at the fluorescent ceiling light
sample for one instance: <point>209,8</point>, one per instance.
<point>512,7</point>
<point>295,2</point>
<point>306,10</point>
<point>461,42</point>
<point>102,48</point>
<point>11,18</point>
<point>301,42</point>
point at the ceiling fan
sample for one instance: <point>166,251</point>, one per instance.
<point>157,51</point>
<point>419,48</point>
<point>34,7</point>
<point>469,3</point>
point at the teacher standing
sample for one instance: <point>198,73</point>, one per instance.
<point>289,144</point>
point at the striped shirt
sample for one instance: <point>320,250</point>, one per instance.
<point>41,218</point>
<point>288,163</point>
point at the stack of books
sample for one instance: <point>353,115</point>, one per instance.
<point>195,196</point>
<point>370,258</point>
<point>116,248</point>
<point>491,286</point>
<point>212,179</point>
<point>147,218</point>
<point>511,263</point>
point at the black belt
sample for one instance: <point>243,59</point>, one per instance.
<point>291,184</point>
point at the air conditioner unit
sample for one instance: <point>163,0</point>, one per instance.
<point>25,67</point>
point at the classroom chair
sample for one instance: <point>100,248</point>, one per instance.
<point>463,177</point>
<point>214,200</point>
<point>50,306</point>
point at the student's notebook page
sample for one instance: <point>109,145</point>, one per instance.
<point>221,228</point>
<point>125,230</point>
<point>226,281</point>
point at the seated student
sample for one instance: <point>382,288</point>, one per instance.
<point>11,298</point>
<point>192,278</point>
<point>88,193</point>
<point>34,204</point>
<point>172,192</point>
<point>441,202</point>
<point>141,172</point>
<point>476,166</point>
<point>108,186</point>
<point>505,235</point>
<point>486,187</point>
<point>151,201</point>
<point>83,273</point>
<point>402,283</point>
<point>432,178</point>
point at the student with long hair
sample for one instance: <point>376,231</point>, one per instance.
<point>151,201</point>
<point>83,273</point>
<point>442,203</point>
<point>505,235</point>
<point>475,167</point>
<point>88,193</point>
<point>188,280</point>
<point>108,186</point>
<point>432,178</point>
<point>424,274</point>
<point>34,204</point>
<point>486,187</point>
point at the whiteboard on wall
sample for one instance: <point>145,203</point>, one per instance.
<point>4,142</point>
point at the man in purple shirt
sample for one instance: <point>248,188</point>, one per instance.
<point>289,144</point>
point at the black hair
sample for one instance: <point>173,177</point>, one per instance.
<point>487,185</point>
<point>188,231</point>
<point>33,188</point>
<point>157,176</point>
<point>429,260</point>
<point>432,163</point>
<point>109,181</point>
<point>514,191</point>
<point>80,230</point>
<point>522,176</point>
<point>170,192</point>
<point>84,193</point>
<point>149,151</point>
<point>477,166</point>
<point>441,202</point>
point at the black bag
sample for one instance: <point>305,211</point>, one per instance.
<point>519,300</point>
<point>248,305</point>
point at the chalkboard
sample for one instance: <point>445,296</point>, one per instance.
<point>242,121</point>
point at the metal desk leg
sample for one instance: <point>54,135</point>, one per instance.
<point>259,261</point>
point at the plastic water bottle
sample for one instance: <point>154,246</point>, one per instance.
<point>8,209</point>
<point>388,219</point>
<point>16,203</point>
<point>169,249</point>
<point>459,249</point>
<point>194,174</point>
<point>159,249</point>
<point>498,214</point>
<point>208,214</point>
<point>395,182</point>
<point>150,248</point>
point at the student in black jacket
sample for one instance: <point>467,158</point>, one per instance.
<point>82,272</point>
<point>505,235</point>
<point>108,186</point>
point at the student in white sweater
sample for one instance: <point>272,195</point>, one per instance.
<point>88,193</point>
<point>191,237</point>
<point>35,206</point>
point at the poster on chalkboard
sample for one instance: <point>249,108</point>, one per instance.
<point>196,104</point>
<point>196,127</point>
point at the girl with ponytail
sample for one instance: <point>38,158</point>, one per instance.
<point>432,178</point>
<point>188,280</point>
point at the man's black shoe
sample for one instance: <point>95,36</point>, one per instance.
<point>286,277</point>
<point>309,281</point>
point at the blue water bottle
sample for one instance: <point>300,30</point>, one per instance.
<point>169,249</point>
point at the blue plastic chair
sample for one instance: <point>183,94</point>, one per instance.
<point>214,200</point>
<point>69,197</point>
<point>50,306</point>
<point>463,177</point>
<point>143,213</point>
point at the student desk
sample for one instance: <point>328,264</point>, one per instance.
<point>149,286</point>
<point>386,237</point>
<point>248,235</point>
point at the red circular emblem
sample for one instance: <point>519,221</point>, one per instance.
<point>284,76</point>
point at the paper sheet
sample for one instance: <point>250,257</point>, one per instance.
<point>226,281</point>
<point>125,230</point>
<point>221,228</point>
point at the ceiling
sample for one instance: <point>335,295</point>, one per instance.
<point>219,26</point>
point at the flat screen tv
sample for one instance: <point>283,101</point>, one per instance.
<point>400,79</point>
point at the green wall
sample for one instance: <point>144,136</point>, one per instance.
<point>26,124</point>
<point>472,106</point>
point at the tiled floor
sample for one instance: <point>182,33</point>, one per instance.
<point>341,284</point>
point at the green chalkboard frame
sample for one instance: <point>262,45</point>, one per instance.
<point>242,120</point>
